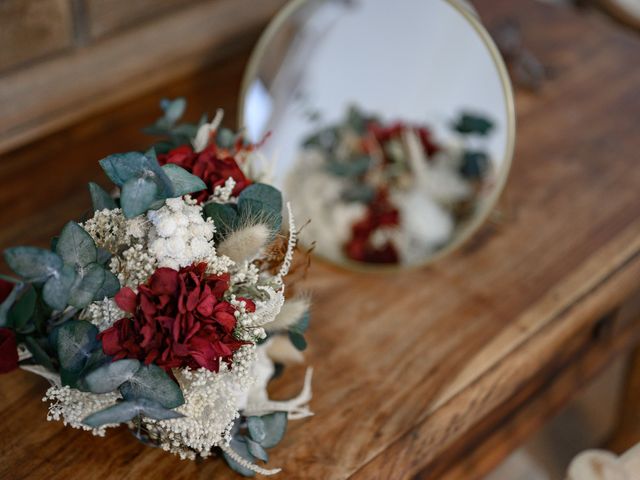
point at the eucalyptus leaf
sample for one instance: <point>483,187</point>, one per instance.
<point>22,310</point>
<point>357,120</point>
<point>39,354</point>
<point>110,376</point>
<point>100,198</point>
<point>259,193</point>
<point>183,181</point>
<point>138,194</point>
<point>302,324</point>
<point>474,164</point>
<point>469,123</point>
<point>261,202</point>
<point>354,167</point>
<point>186,130</point>
<point>8,302</point>
<point>359,193</point>
<point>115,414</point>
<point>224,216</point>
<point>297,340</point>
<point>75,246</point>
<point>122,167</point>
<point>57,289</point>
<point>225,138</point>
<point>72,379</point>
<point>109,288</point>
<point>173,109</point>
<point>75,340</point>
<point>88,282</point>
<point>267,430</point>
<point>157,130</point>
<point>10,279</point>
<point>154,383</point>
<point>241,449</point>
<point>154,171</point>
<point>256,450</point>
<point>152,409</point>
<point>128,410</point>
<point>256,428</point>
<point>103,256</point>
<point>32,263</point>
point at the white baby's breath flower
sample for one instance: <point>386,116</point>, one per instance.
<point>73,406</point>
<point>223,193</point>
<point>103,314</point>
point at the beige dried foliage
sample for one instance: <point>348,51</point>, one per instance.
<point>281,350</point>
<point>245,243</point>
<point>292,310</point>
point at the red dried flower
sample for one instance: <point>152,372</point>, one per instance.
<point>8,350</point>
<point>214,165</point>
<point>383,134</point>
<point>380,213</point>
<point>179,319</point>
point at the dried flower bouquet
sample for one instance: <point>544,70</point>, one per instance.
<point>165,310</point>
<point>389,192</point>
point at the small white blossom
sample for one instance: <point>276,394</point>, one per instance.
<point>179,235</point>
<point>222,193</point>
<point>103,314</point>
<point>134,266</point>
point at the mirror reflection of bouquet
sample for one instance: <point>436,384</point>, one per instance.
<point>388,193</point>
<point>165,310</point>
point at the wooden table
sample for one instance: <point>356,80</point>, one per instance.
<point>437,373</point>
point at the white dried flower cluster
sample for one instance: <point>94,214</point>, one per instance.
<point>112,231</point>
<point>107,228</point>
<point>218,264</point>
<point>179,235</point>
<point>210,408</point>
<point>246,274</point>
<point>72,406</point>
<point>134,266</point>
<point>103,314</point>
<point>222,193</point>
<point>249,324</point>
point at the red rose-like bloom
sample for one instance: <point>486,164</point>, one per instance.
<point>8,350</point>
<point>178,320</point>
<point>214,165</point>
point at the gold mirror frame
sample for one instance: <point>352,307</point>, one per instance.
<point>467,231</point>
<point>620,13</point>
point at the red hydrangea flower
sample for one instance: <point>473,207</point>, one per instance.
<point>8,344</point>
<point>380,213</point>
<point>8,350</point>
<point>214,165</point>
<point>178,319</point>
<point>383,134</point>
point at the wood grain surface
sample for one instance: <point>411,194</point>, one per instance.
<point>414,372</point>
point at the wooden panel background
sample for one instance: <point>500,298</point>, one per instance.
<point>47,95</point>
<point>31,29</point>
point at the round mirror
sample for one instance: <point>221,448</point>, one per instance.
<point>389,124</point>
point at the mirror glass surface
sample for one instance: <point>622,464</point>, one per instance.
<point>389,124</point>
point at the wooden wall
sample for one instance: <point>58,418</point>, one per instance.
<point>61,60</point>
